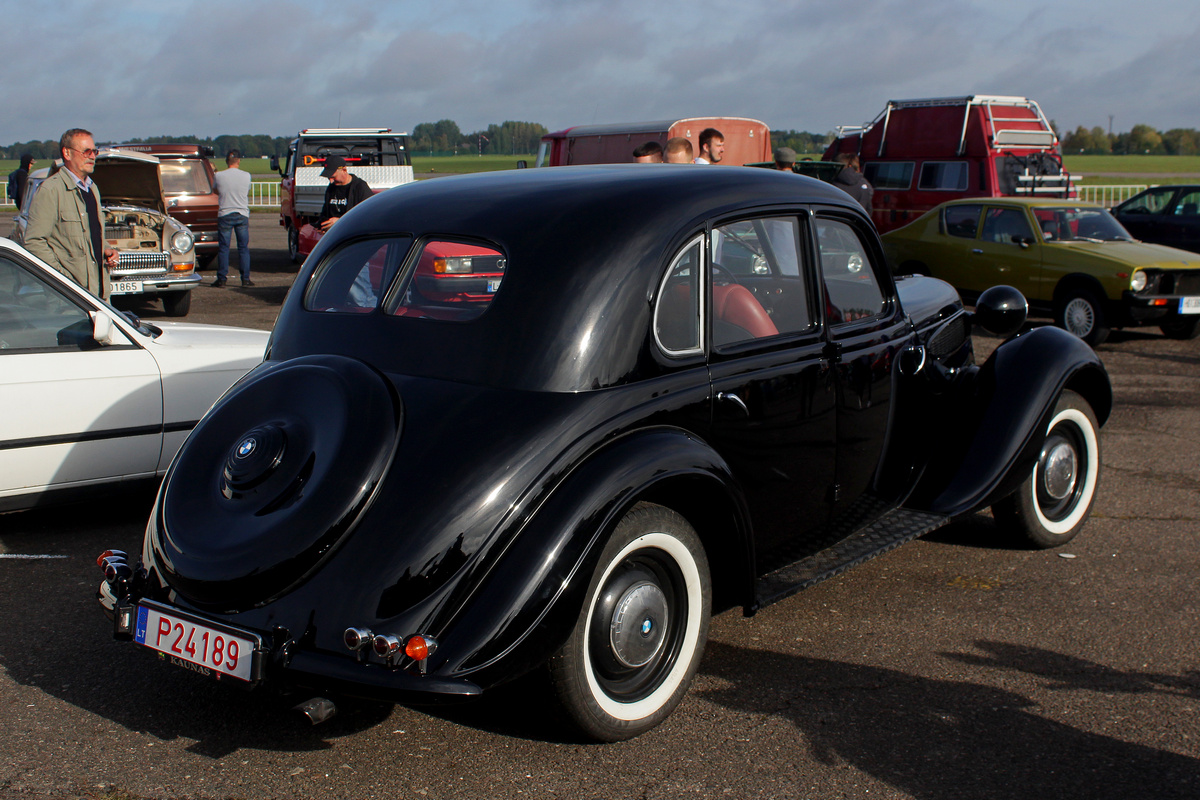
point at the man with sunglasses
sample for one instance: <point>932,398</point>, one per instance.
<point>66,225</point>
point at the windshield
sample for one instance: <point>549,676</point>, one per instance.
<point>1079,223</point>
<point>184,177</point>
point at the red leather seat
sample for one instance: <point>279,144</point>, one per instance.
<point>733,303</point>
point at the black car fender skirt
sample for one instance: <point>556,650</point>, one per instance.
<point>273,478</point>
<point>993,443</point>
<point>525,607</point>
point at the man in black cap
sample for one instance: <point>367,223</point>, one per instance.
<point>344,193</point>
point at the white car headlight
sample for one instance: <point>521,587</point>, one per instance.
<point>182,241</point>
<point>1138,281</point>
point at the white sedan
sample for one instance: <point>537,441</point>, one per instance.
<point>90,396</point>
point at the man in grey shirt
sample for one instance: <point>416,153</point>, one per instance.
<point>233,194</point>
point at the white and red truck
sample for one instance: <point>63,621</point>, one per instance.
<point>377,155</point>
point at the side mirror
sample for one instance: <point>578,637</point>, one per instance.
<point>1001,311</point>
<point>275,163</point>
<point>102,328</point>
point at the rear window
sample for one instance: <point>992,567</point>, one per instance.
<point>185,177</point>
<point>366,151</point>
<point>354,278</point>
<point>450,280</point>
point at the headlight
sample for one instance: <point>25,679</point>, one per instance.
<point>453,264</point>
<point>182,241</point>
<point>1138,281</point>
<point>854,263</point>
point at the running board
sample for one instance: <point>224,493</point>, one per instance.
<point>884,534</point>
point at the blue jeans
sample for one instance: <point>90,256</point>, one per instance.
<point>226,225</point>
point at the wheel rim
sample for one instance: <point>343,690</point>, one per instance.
<point>1079,317</point>
<point>643,627</point>
<point>1064,479</point>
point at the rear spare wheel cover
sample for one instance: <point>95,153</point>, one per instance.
<point>273,478</point>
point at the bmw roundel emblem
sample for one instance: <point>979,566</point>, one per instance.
<point>246,447</point>
<point>647,625</point>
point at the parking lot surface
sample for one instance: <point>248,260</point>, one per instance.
<point>955,668</point>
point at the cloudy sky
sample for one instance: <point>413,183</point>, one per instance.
<point>146,67</point>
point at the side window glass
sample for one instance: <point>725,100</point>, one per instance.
<point>1152,202</point>
<point>1188,204</point>
<point>34,314</point>
<point>1005,226</point>
<point>758,287</point>
<point>962,220</point>
<point>943,175</point>
<point>354,278</point>
<point>677,313</point>
<point>451,281</point>
<point>889,174</point>
<point>851,289</point>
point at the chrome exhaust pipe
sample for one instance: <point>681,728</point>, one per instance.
<point>317,710</point>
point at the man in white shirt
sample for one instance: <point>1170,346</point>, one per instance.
<point>712,146</point>
<point>233,214</point>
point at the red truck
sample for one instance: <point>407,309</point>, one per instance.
<point>920,153</point>
<point>747,141</point>
<point>377,155</point>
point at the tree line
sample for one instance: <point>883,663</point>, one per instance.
<point>1139,140</point>
<point>444,136</point>
<point>522,138</point>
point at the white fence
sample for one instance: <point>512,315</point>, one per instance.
<point>1109,196</point>
<point>264,194</point>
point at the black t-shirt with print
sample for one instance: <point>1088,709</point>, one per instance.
<point>340,199</point>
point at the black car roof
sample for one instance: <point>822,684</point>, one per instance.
<point>585,246</point>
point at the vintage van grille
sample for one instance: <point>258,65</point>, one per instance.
<point>950,337</point>
<point>132,261</point>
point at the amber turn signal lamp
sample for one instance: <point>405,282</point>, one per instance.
<point>419,647</point>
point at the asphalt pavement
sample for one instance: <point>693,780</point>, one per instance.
<point>959,667</point>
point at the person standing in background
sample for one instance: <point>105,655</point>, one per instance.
<point>18,178</point>
<point>66,228</point>
<point>233,215</point>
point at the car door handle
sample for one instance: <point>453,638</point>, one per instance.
<point>731,399</point>
<point>976,252</point>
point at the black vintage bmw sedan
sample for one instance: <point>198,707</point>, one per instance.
<point>670,390</point>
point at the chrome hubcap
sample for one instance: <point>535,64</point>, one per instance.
<point>1059,471</point>
<point>639,624</point>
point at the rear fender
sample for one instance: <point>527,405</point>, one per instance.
<point>1004,414</point>
<point>525,608</point>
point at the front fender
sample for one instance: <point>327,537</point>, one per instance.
<point>525,608</point>
<point>1004,411</point>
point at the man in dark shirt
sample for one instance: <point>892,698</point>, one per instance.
<point>18,178</point>
<point>344,193</point>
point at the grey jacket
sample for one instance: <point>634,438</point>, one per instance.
<point>58,232</point>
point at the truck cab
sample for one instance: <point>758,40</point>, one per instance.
<point>377,155</point>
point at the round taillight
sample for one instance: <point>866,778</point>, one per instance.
<point>417,648</point>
